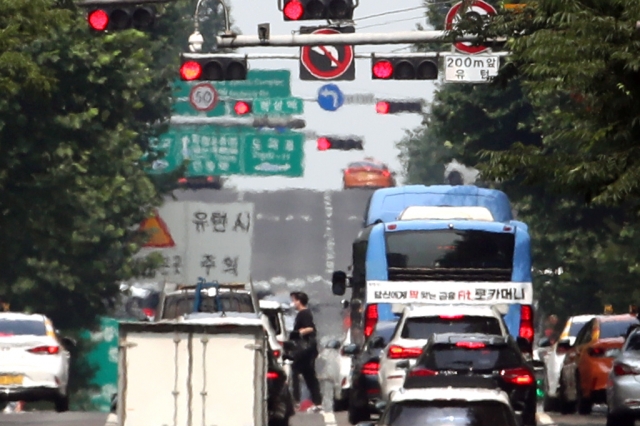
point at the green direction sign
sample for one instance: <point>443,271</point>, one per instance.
<point>212,150</point>
<point>259,84</point>
<point>278,106</point>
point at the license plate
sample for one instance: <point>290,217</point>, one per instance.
<point>10,380</point>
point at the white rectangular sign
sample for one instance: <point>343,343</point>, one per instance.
<point>470,68</point>
<point>360,99</point>
<point>448,292</point>
<point>212,241</point>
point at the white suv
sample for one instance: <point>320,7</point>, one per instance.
<point>418,323</point>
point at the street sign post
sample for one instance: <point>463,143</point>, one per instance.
<point>479,9</point>
<point>327,62</point>
<point>471,69</point>
<point>330,97</point>
<point>278,106</point>
<point>215,151</point>
<point>203,97</point>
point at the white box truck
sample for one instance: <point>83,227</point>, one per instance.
<point>205,371</point>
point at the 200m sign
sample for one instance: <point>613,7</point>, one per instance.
<point>203,97</point>
<point>470,69</point>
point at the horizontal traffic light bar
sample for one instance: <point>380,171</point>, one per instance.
<point>340,143</point>
<point>306,10</point>
<point>121,17</point>
<point>352,39</point>
<point>213,67</point>
<point>397,107</point>
<point>267,122</point>
<point>407,67</point>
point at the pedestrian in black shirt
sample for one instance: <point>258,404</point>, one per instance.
<point>305,336</point>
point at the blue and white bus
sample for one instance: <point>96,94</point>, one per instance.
<point>440,260</point>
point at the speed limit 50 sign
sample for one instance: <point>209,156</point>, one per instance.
<point>203,97</point>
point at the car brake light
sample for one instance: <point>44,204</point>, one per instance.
<point>470,345</point>
<point>596,352</point>
<point>272,375</point>
<point>398,352</point>
<point>370,368</point>
<point>526,323</point>
<point>46,350</point>
<point>620,369</point>
<point>149,312</point>
<point>276,354</point>
<point>422,372</point>
<point>451,317</point>
<point>370,319</point>
<point>518,376</point>
<point>386,173</point>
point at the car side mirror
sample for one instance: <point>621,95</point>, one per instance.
<point>402,365</point>
<point>563,346</point>
<point>351,349</point>
<point>544,343</point>
<point>339,283</point>
<point>523,344</point>
<point>69,343</point>
<point>377,342</point>
<point>345,303</point>
<point>333,344</point>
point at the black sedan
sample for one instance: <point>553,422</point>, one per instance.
<point>365,387</point>
<point>478,355</point>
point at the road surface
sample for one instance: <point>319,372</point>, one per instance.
<point>302,419</point>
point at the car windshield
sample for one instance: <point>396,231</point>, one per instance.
<point>575,328</point>
<point>610,329</point>
<point>424,327</point>
<point>449,413</point>
<point>451,357</point>
<point>10,327</point>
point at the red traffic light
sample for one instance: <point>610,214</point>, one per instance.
<point>383,69</point>
<point>242,107</point>
<point>294,10</point>
<point>383,107</point>
<point>98,20</point>
<point>190,70</point>
<point>324,144</point>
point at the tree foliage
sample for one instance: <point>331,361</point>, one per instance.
<point>531,136</point>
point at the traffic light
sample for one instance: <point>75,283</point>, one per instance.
<point>404,67</point>
<point>396,107</point>
<point>345,144</point>
<point>213,67</point>
<point>309,10</point>
<point>242,107</point>
<point>121,17</point>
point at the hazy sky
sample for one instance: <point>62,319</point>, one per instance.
<point>323,170</point>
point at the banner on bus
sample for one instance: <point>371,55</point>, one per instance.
<point>447,292</point>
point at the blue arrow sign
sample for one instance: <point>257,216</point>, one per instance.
<point>330,98</point>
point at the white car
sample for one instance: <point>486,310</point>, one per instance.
<point>418,323</point>
<point>448,406</point>
<point>34,360</point>
<point>346,363</point>
<point>554,360</point>
<point>273,320</point>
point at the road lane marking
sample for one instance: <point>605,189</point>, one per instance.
<point>544,418</point>
<point>331,243</point>
<point>329,418</point>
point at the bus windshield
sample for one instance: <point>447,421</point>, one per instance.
<point>450,249</point>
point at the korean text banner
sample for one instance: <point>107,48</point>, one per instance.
<point>447,292</point>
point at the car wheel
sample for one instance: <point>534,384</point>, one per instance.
<point>566,406</point>
<point>340,404</point>
<point>529,418</point>
<point>62,403</point>
<point>584,404</point>
<point>620,420</point>
<point>357,413</point>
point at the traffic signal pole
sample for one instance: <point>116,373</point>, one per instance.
<point>296,57</point>
<point>351,39</point>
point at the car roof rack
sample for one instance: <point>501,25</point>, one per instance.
<point>451,381</point>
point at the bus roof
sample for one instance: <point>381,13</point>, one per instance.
<point>387,204</point>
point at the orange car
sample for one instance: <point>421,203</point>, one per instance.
<point>368,174</point>
<point>584,375</point>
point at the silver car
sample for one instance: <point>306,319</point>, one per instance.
<point>623,387</point>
